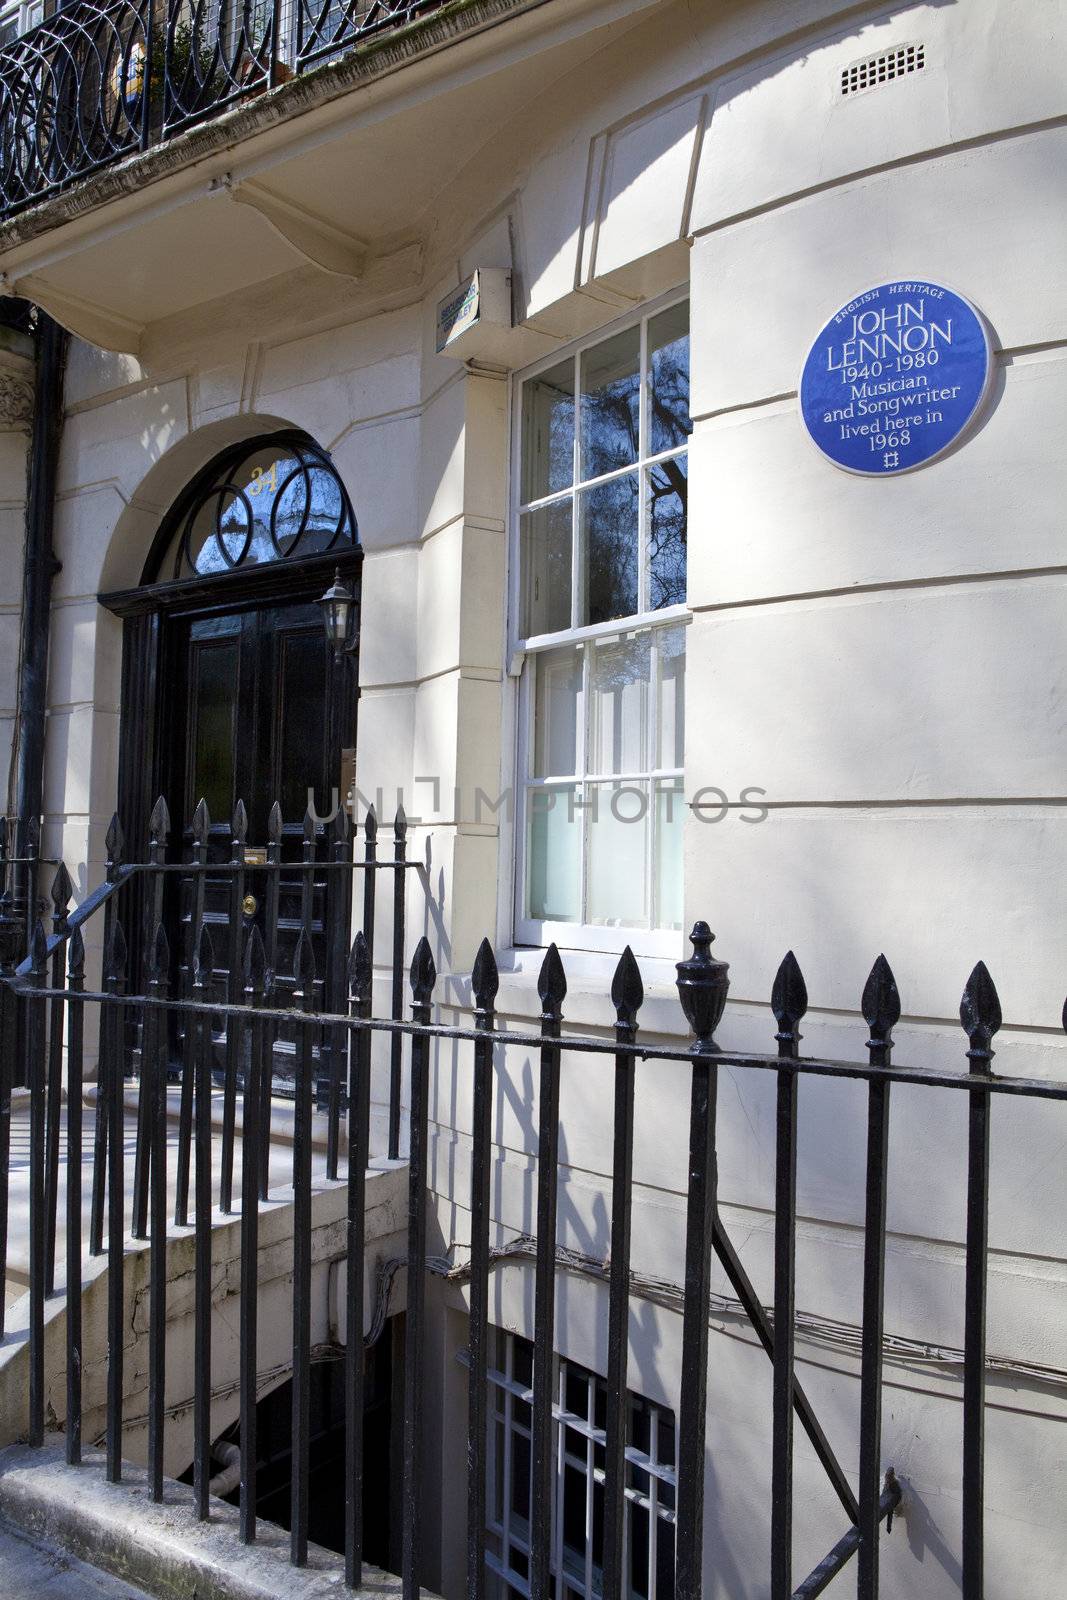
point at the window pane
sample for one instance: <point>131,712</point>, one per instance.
<point>548,432</point>
<point>557,728</point>
<point>522,1359</point>
<point>574,1511</point>
<point>670,809</point>
<point>312,504</point>
<point>618,827</point>
<point>598,1531</point>
<point>300,717</point>
<point>576,1398</point>
<point>610,404</point>
<point>545,538</point>
<point>665,1562</point>
<point>520,1476</point>
<point>665,1444</point>
<point>588,560</point>
<point>670,726</point>
<point>640,1425</point>
<point>269,505</point>
<point>667,496</point>
<point>638,1550</point>
<point>668,363</point>
<point>554,854</point>
<point>619,686</point>
<point>608,523</point>
<point>213,685</point>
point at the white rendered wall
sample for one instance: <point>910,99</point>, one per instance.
<point>884,658</point>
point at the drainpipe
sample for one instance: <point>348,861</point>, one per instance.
<point>226,1481</point>
<point>38,569</point>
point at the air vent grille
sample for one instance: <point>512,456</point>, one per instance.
<point>876,70</point>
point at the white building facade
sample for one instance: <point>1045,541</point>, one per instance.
<point>633,653</point>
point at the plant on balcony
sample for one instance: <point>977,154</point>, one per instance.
<point>192,66</point>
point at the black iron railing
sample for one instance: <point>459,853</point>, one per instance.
<point>102,78</point>
<point>44,1003</point>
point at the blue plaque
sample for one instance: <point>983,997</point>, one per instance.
<point>895,377</point>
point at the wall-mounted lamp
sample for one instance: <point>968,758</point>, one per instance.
<point>338,617</point>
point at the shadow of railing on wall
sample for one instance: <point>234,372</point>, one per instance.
<point>161,1017</point>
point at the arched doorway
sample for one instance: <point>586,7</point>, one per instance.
<point>230,692</point>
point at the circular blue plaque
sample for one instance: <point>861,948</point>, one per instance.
<point>895,377</point>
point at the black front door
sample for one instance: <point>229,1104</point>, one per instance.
<point>255,709</point>
<point>229,693</point>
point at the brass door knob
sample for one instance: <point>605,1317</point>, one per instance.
<point>249,905</point>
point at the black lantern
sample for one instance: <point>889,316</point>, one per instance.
<point>338,612</point>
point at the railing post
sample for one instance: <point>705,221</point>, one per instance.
<point>75,1041</point>
<point>307,875</point>
<point>255,994</point>
<point>339,886</point>
<point>10,943</point>
<point>61,893</point>
<point>275,41</point>
<point>235,1031</point>
<point>201,833</point>
<point>980,1016</point>
<point>35,1081</point>
<point>552,989</point>
<point>304,973</point>
<point>484,984</point>
<point>270,918</point>
<point>627,994</point>
<point>360,983</point>
<point>151,24</point>
<point>158,833</point>
<point>881,1012</point>
<point>154,1077</point>
<point>789,1002</point>
<point>370,879</point>
<point>199,1026</point>
<point>114,846</point>
<point>400,828</point>
<point>423,978</point>
<point>307,897</point>
<point>115,957</point>
<point>702,988</point>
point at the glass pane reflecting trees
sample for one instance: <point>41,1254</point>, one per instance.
<point>602,541</point>
<point>272,500</point>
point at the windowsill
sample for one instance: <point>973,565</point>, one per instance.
<point>588,1001</point>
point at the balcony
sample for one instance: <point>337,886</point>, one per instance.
<point>95,83</point>
<point>313,153</point>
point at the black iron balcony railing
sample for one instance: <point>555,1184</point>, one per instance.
<point>98,81</point>
<point>44,1000</point>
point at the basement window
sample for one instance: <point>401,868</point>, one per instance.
<point>876,70</point>
<point>578,1511</point>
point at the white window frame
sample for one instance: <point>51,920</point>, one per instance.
<point>575,1440</point>
<point>26,15</point>
<point>653,941</point>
